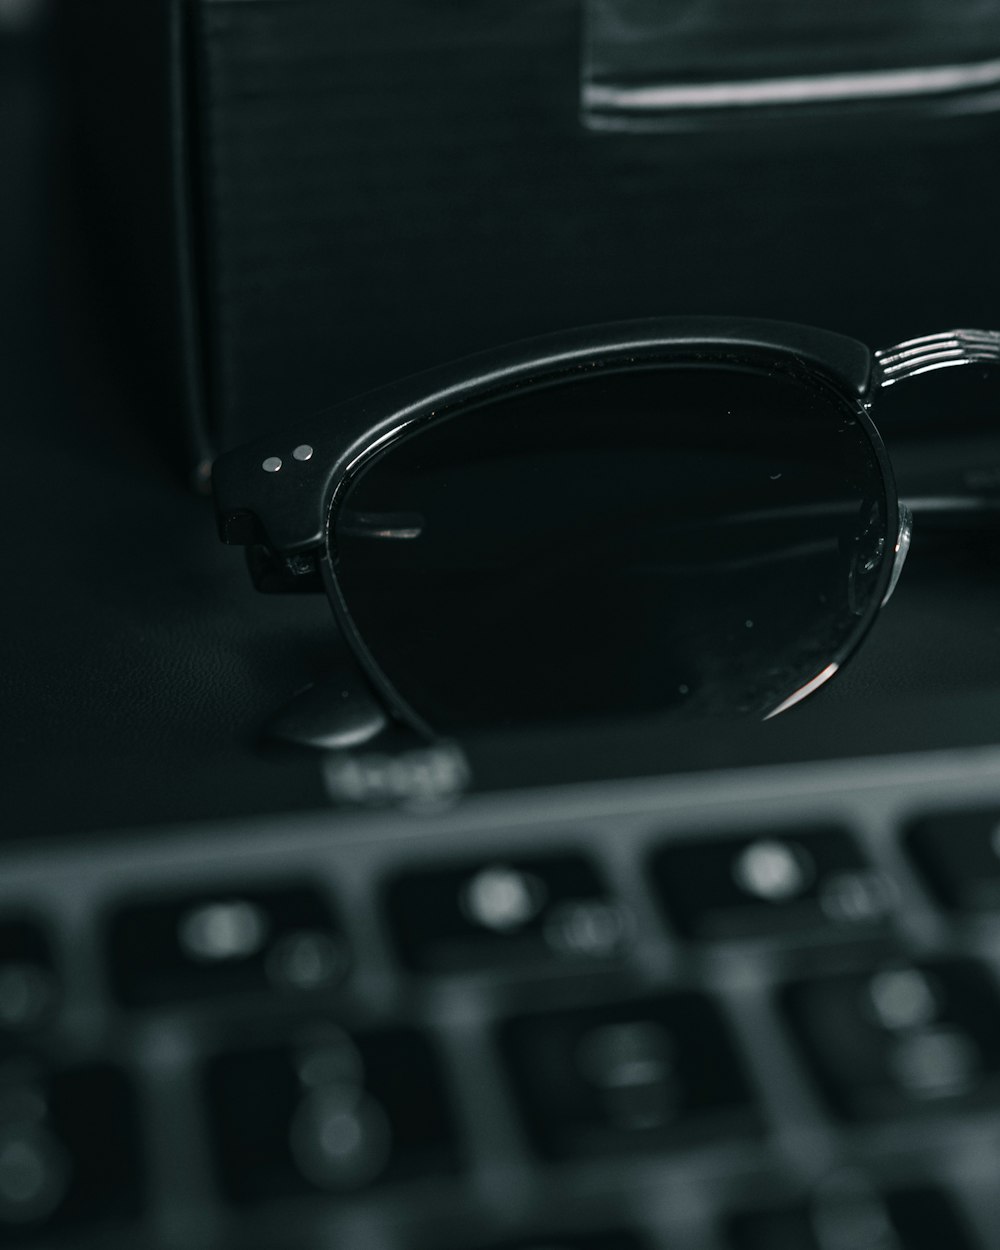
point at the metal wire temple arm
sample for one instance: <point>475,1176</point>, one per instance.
<point>935,351</point>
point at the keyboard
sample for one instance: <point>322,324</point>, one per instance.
<point>747,1010</point>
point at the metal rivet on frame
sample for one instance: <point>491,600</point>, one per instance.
<point>272,464</point>
<point>303,452</point>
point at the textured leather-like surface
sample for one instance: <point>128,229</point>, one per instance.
<point>136,665</point>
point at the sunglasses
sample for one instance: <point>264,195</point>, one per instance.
<point>655,517</point>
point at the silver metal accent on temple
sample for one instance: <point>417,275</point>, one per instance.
<point>936,351</point>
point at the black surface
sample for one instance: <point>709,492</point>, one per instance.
<point>959,854</point>
<point>139,663</point>
<point>115,660</point>
<point>394,186</point>
<point>140,666</point>
<point>915,1219</point>
<point>84,1142</point>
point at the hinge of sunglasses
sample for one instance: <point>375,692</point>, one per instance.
<point>935,351</point>
<point>277,574</point>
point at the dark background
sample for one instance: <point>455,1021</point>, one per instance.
<point>217,217</point>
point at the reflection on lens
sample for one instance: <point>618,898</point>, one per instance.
<point>687,539</point>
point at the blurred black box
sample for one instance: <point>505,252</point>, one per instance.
<point>301,199</point>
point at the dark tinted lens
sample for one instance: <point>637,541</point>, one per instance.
<point>696,538</point>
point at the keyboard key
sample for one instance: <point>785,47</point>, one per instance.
<point>959,855</point>
<point>28,988</point>
<point>909,1219</point>
<point>638,1075</point>
<point>334,1113</point>
<point>68,1150</point>
<point>209,945</point>
<point>901,1037</point>
<point>494,913</point>
<point>770,883</point>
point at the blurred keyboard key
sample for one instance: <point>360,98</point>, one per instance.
<point>639,1075</point>
<point>69,1151</point>
<point>906,1219</point>
<point>769,883</point>
<point>333,1113</point>
<point>900,1037</point>
<point>510,912</point>
<point>28,988</point>
<point>210,945</point>
<point>958,853</point>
